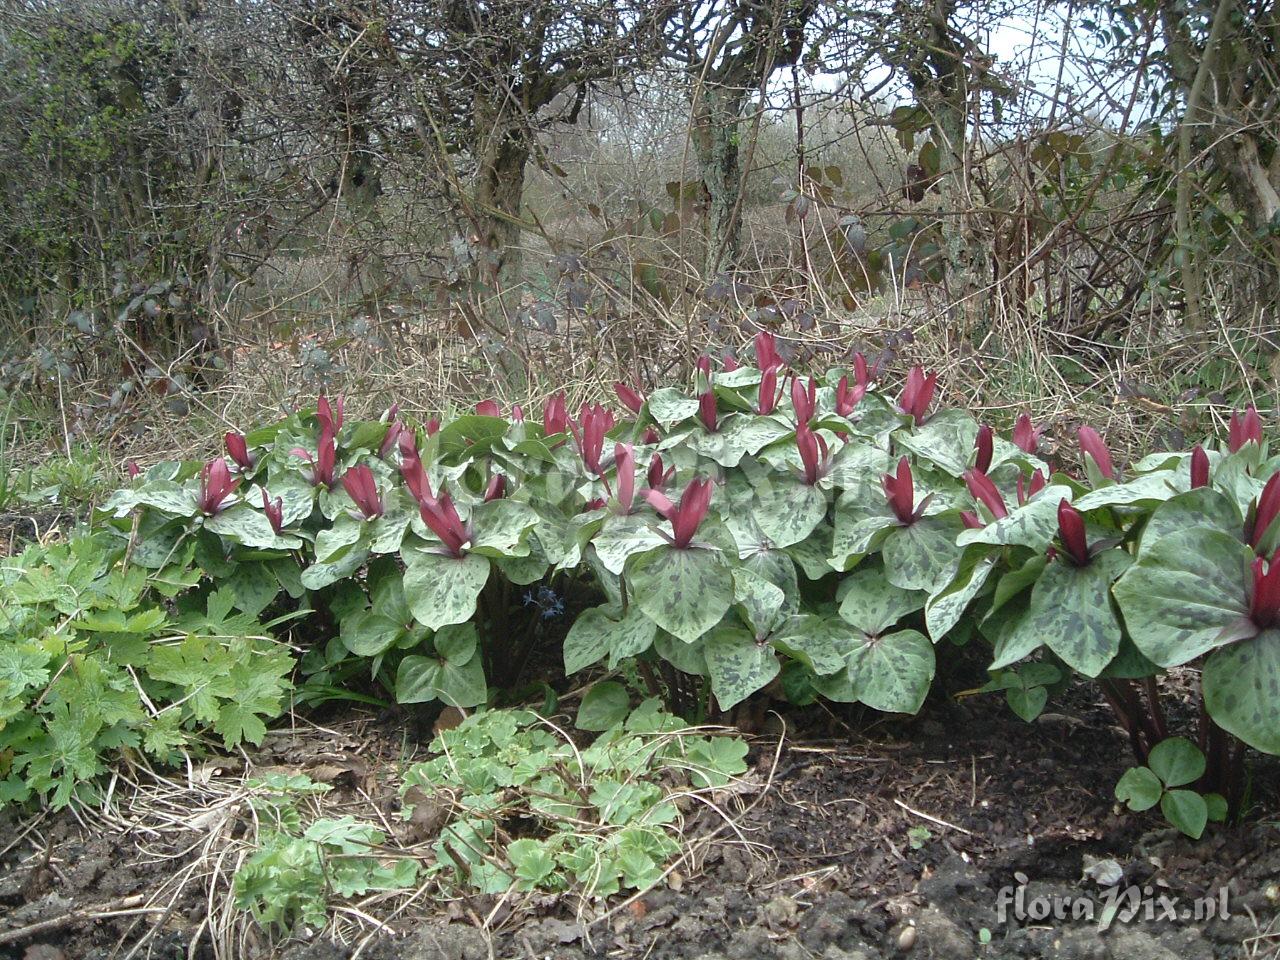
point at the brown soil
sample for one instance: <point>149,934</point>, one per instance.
<point>892,842</point>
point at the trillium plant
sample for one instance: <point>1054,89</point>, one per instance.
<point>818,534</point>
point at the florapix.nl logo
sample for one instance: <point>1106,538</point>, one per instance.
<point>1118,903</point>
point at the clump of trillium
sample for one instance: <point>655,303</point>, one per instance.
<point>216,487</point>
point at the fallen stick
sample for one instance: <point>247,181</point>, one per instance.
<point>124,907</point>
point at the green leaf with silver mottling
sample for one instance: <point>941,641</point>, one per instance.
<point>621,537</point>
<point>1033,525</point>
<point>946,439</point>
<point>1242,690</point>
<point>871,603</point>
<point>440,589</point>
<point>602,632</point>
<point>1147,489</point>
<point>822,644</point>
<point>893,673</point>
<point>787,509</point>
<point>501,528</point>
<point>947,606</point>
<point>1071,611</point>
<point>737,665</point>
<point>923,555</point>
<point>685,657</point>
<point>667,405</point>
<point>320,575</point>
<point>1202,507</point>
<point>759,601</point>
<point>1185,594</point>
<point>685,592</point>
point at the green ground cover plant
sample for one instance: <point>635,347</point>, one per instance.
<point>815,535</point>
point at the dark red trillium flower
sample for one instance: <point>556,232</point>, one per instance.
<point>216,487</point>
<point>971,520</point>
<point>650,436</point>
<point>433,427</point>
<point>1199,468</point>
<point>728,361</point>
<point>769,392</point>
<point>628,397</point>
<point>517,413</point>
<point>707,410</point>
<point>813,453</point>
<point>657,478</point>
<point>439,514</point>
<point>363,491</point>
<point>594,504</point>
<point>389,414</point>
<point>593,423</point>
<point>411,468</point>
<point>625,461</point>
<point>1071,533</point>
<point>704,369</point>
<point>849,396</point>
<point>1246,428</point>
<point>238,449</point>
<point>899,489</point>
<point>1264,602</point>
<point>688,516</point>
<point>330,417</point>
<point>1263,513</point>
<point>983,445</point>
<point>1028,491</point>
<point>982,489</point>
<point>132,469</point>
<point>1026,437</point>
<point>274,511</point>
<point>497,488</point>
<point>918,394</point>
<point>555,418</point>
<point>391,440</point>
<point>1092,446</point>
<point>767,351</point>
<point>488,408</point>
<point>804,398</point>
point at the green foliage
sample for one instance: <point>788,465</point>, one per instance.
<point>594,820</point>
<point>300,864</point>
<point>99,655</point>
<point>824,552</point>
<point>1172,765</point>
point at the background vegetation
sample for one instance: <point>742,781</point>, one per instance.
<point>214,208</point>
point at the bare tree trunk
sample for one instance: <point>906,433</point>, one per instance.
<point>498,194</point>
<point>715,136</point>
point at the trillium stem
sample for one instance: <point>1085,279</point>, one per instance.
<point>1157,708</point>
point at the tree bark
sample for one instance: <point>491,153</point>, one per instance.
<point>715,136</point>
